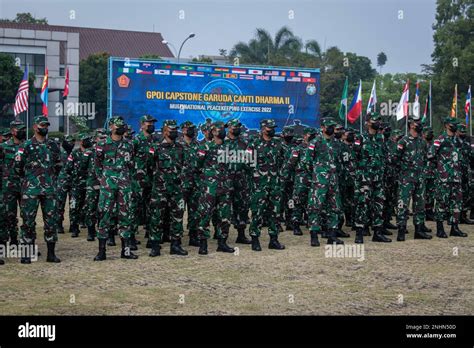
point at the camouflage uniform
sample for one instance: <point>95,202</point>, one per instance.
<point>391,175</point>
<point>466,156</point>
<point>287,174</point>
<point>347,178</point>
<point>63,184</point>
<point>429,174</point>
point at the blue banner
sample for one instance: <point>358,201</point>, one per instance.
<point>199,92</point>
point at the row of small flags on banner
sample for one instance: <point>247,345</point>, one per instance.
<point>21,99</point>
<point>352,113</point>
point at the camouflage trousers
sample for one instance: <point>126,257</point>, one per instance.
<point>11,200</point>
<point>369,199</point>
<point>347,197</point>
<point>411,190</point>
<point>167,210</point>
<point>286,195</point>
<point>448,201</point>
<point>240,200</point>
<point>324,202</point>
<point>466,196</point>
<point>29,209</point>
<point>266,198</point>
<point>300,197</point>
<point>91,206</point>
<point>63,189</point>
<point>114,209</point>
<point>191,199</point>
<point>391,188</point>
<point>3,228</point>
<point>216,203</point>
<point>430,190</point>
<point>77,204</point>
<point>140,206</point>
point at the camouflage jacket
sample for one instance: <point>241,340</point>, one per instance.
<point>239,145</point>
<point>143,159</point>
<point>287,170</point>
<point>114,162</point>
<point>446,152</point>
<point>370,157</point>
<point>77,165</point>
<point>168,161</point>
<point>38,163</point>
<point>346,157</point>
<point>190,168</point>
<point>10,179</point>
<point>269,159</point>
<point>412,156</point>
<point>320,159</point>
<point>216,173</point>
<point>430,165</point>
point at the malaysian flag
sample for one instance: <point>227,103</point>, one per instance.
<point>21,100</point>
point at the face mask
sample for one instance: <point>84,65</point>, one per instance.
<point>270,133</point>
<point>329,130</point>
<point>86,143</point>
<point>288,139</point>
<point>311,137</point>
<point>350,138</point>
<point>418,128</point>
<point>21,134</point>
<point>120,131</point>
<point>429,137</point>
<point>190,133</point>
<point>150,129</point>
<point>386,135</point>
<point>43,131</point>
<point>173,134</point>
<point>221,134</point>
<point>236,132</point>
<point>209,136</point>
<point>462,136</point>
<point>68,147</point>
<point>338,135</point>
<point>375,126</point>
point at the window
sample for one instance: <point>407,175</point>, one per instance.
<point>35,62</point>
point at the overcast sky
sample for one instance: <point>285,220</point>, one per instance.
<point>365,27</point>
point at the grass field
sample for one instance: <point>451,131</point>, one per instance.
<point>414,277</point>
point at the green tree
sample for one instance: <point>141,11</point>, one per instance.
<point>25,17</point>
<point>381,60</point>
<point>151,56</point>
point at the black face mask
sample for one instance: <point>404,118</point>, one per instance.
<point>173,134</point>
<point>150,129</point>
<point>338,135</point>
<point>120,131</point>
<point>86,143</point>
<point>311,137</point>
<point>43,131</point>
<point>21,134</point>
<point>67,146</point>
<point>350,138</point>
<point>375,126</point>
<point>429,136</point>
<point>418,128</point>
<point>288,138</point>
<point>190,132</point>
<point>453,128</point>
<point>329,130</point>
<point>462,136</point>
<point>209,136</point>
<point>221,134</point>
<point>386,135</point>
<point>236,132</point>
<point>270,133</point>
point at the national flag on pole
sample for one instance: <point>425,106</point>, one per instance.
<point>425,112</point>
<point>356,106</point>
<point>454,105</point>
<point>402,108</point>
<point>343,106</point>
<point>66,84</point>
<point>467,106</point>
<point>372,100</point>
<point>21,99</point>
<point>416,104</point>
<point>44,93</point>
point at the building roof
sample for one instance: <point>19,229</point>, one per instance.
<point>118,43</point>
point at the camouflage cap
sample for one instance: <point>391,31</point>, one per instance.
<point>17,124</point>
<point>397,132</point>
<point>204,127</point>
<point>41,120</point>
<point>451,120</point>
<point>84,136</point>
<point>100,131</point>
<point>288,131</point>
<point>5,132</point>
<point>218,124</point>
<point>233,123</point>
<point>374,116</point>
<point>69,138</point>
<point>147,118</point>
<point>462,128</point>
<point>328,121</point>
<point>269,123</point>
<point>187,124</point>
<point>170,124</point>
<point>427,129</point>
<point>309,130</point>
<point>117,120</point>
<point>412,119</point>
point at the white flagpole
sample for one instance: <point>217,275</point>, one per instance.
<point>431,120</point>
<point>470,111</point>
<point>28,106</point>
<point>406,116</point>
<point>361,106</point>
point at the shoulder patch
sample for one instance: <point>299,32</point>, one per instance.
<point>201,152</point>
<point>400,146</point>
<point>98,148</point>
<point>357,142</point>
<point>295,153</point>
<point>152,150</point>
<point>437,143</point>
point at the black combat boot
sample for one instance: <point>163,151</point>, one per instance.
<point>155,248</point>
<point>386,232</point>
<point>91,233</point>
<point>60,228</point>
<point>332,237</point>
<point>275,244</point>
<point>389,226</point>
<point>133,243</point>
<point>2,262</point>
<point>176,248</point>
<point>203,247</point>
<point>193,238</point>
<point>111,239</point>
<point>366,232</point>
<point>348,219</point>
<point>440,230</point>
<point>25,259</point>
<point>74,230</point>
<point>14,240</point>
<point>359,238</point>
<point>296,229</point>
<point>314,239</point>
<point>256,244</point>
<point>341,234</point>
<point>420,234</point>
<point>289,225</point>
<point>465,220</point>
<point>4,244</point>
<point>379,237</point>
<point>456,232</point>
<point>424,228</point>
<point>101,256</point>
<point>241,238</point>
<point>471,215</point>
<point>429,215</point>
<point>51,255</point>
<point>401,233</point>
<point>126,252</point>
<point>223,247</point>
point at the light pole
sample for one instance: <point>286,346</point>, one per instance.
<point>190,36</point>
<point>164,42</point>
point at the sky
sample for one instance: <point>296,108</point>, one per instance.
<point>400,28</point>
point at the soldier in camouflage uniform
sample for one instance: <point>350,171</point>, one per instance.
<point>302,180</point>
<point>217,185</point>
<point>240,175</point>
<point>347,175</point>
<point>11,185</point>
<point>114,165</point>
<point>37,163</point>
<point>338,146</point>
<point>266,186</point>
<point>320,160</point>
<point>429,174</point>
<point>92,189</point>
<point>63,185</point>
<point>76,170</point>
<point>412,156</point>
<point>287,174</point>
<point>141,181</point>
<point>191,190</point>
<point>466,153</point>
<point>446,152</point>
<point>369,181</point>
<point>389,177</point>
<point>166,195</point>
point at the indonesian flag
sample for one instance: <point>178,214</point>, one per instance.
<point>356,106</point>
<point>416,104</point>
<point>66,84</point>
<point>44,93</point>
<point>467,106</point>
<point>402,108</point>
<point>372,100</point>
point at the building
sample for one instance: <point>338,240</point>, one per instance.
<point>60,47</point>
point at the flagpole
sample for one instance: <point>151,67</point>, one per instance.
<point>456,95</point>
<point>431,120</point>
<point>360,116</point>
<point>346,83</point>
<point>470,111</point>
<point>28,108</point>
<point>406,116</point>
